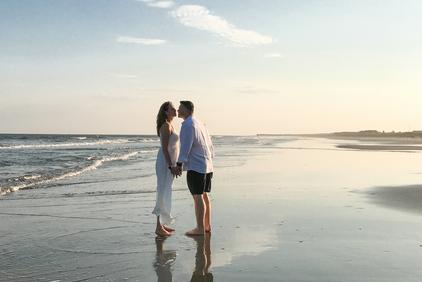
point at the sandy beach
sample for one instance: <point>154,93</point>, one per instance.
<point>284,209</point>
<point>312,110</point>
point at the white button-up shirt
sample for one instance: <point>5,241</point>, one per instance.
<point>196,148</point>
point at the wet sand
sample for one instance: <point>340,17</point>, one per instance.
<point>279,214</point>
<point>406,198</point>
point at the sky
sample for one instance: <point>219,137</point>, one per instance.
<point>249,66</point>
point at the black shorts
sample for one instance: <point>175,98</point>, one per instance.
<point>198,183</point>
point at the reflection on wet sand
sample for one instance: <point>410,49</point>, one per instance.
<point>202,259</point>
<point>164,261</point>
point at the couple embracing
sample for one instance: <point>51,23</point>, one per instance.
<point>192,152</point>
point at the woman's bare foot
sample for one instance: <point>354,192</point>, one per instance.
<point>169,229</point>
<point>195,232</point>
<point>208,230</point>
<point>162,232</point>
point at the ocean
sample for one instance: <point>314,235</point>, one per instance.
<point>40,161</point>
<point>32,161</point>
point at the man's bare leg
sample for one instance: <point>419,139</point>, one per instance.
<point>207,202</point>
<point>200,216</point>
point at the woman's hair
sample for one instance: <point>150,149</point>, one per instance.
<point>162,115</point>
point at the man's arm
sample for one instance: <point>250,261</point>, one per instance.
<point>186,141</point>
<point>210,144</point>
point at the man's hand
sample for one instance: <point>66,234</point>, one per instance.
<point>175,171</point>
<point>179,171</point>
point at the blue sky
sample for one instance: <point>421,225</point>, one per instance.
<point>249,66</point>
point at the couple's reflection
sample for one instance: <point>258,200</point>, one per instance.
<point>202,259</point>
<point>164,261</point>
<point>166,258</point>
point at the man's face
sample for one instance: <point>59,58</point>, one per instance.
<point>182,112</point>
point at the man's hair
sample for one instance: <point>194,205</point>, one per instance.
<point>188,105</point>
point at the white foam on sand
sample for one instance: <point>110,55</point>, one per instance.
<point>61,145</point>
<point>93,166</point>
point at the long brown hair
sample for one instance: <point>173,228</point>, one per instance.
<point>162,115</point>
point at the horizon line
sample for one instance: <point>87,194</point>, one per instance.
<point>244,134</point>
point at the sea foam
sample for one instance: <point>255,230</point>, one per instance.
<point>37,180</point>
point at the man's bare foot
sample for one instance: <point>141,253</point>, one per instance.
<point>195,232</point>
<point>208,230</point>
<point>162,232</point>
<point>169,229</point>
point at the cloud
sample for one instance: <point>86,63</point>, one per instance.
<point>200,17</point>
<point>164,4</point>
<point>274,55</point>
<point>113,97</point>
<point>254,90</point>
<point>124,76</point>
<point>138,40</point>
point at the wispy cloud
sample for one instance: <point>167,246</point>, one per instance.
<point>164,4</point>
<point>274,56</point>
<point>124,76</point>
<point>138,40</point>
<point>200,17</point>
<point>113,97</point>
<point>254,90</point>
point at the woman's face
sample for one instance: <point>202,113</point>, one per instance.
<point>171,112</point>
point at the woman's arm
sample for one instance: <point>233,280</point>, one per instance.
<point>165,133</point>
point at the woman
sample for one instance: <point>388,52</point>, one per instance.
<point>166,159</point>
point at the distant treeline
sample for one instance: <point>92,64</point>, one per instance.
<point>375,133</point>
<point>362,133</point>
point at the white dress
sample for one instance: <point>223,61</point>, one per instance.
<point>165,180</point>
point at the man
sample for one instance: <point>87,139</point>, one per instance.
<point>196,153</point>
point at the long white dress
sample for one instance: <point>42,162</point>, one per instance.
<point>165,180</point>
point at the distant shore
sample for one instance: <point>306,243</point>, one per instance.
<point>380,147</point>
<point>359,134</point>
<point>389,140</point>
